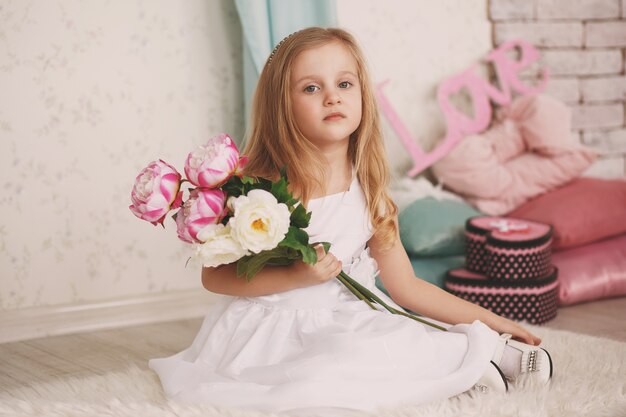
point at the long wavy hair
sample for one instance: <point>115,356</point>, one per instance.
<point>275,141</point>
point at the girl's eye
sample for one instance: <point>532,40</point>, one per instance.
<point>344,84</point>
<point>311,88</point>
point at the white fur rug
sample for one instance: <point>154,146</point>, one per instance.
<point>589,380</point>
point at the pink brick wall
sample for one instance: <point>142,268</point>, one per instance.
<point>583,42</point>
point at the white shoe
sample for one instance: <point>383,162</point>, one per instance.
<point>493,380</point>
<point>534,359</point>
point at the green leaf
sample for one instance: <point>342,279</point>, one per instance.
<point>298,239</point>
<point>248,183</point>
<point>295,238</point>
<point>280,191</point>
<point>283,173</point>
<point>283,261</point>
<point>263,184</point>
<point>299,217</point>
<point>233,187</point>
<point>309,255</point>
<point>250,265</point>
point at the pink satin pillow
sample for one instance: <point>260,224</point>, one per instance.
<point>528,151</point>
<point>582,211</point>
<point>593,271</point>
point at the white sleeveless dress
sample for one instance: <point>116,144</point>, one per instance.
<point>320,347</point>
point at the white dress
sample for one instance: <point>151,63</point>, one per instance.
<point>320,346</point>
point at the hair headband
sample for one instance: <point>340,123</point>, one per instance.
<point>277,47</point>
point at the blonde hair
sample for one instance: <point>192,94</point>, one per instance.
<point>275,140</point>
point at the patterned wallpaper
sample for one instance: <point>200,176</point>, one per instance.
<point>91,92</point>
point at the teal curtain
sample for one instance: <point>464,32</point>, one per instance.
<point>267,22</point>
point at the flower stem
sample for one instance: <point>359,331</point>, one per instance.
<point>365,294</point>
<point>355,291</point>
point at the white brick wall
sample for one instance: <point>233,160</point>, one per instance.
<point>577,9</point>
<point>583,62</point>
<point>565,89</point>
<point>541,33</point>
<point>603,34</point>
<point>511,9</point>
<point>610,142</point>
<point>590,116</point>
<point>583,43</point>
<point>603,89</point>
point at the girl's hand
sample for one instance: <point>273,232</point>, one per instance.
<point>518,332</point>
<point>326,268</point>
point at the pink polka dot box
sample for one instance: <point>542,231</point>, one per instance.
<point>533,301</point>
<point>508,249</point>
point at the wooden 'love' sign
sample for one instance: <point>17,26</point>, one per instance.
<point>458,123</point>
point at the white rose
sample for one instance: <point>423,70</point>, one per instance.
<point>219,248</point>
<point>259,222</point>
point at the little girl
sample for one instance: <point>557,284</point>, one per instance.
<point>294,337</point>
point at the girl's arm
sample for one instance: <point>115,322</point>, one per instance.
<point>271,279</point>
<point>429,300</point>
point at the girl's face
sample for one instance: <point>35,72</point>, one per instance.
<point>326,94</point>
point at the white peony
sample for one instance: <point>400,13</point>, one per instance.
<point>219,248</point>
<point>259,222</point>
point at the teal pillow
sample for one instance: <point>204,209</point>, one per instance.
<point>432,270</point>
<point>430,227</point>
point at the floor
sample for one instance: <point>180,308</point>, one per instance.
<point>39,360</point>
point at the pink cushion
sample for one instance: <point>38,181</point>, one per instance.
<point>593,271</point>
<point>529,151</point>
<point>582,211</point>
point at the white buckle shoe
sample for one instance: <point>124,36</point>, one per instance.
<point>493,380</point>
<point>534,360</point>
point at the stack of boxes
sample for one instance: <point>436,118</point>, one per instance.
<point>508,269</point>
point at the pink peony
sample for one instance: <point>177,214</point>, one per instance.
<point>156,192</point>
<point>200,214</point>
<point>212,164</point>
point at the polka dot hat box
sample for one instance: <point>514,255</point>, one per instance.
<point>534,301</point>
<point>508,249</point>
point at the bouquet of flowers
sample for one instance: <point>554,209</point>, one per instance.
<point>228,217</point>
